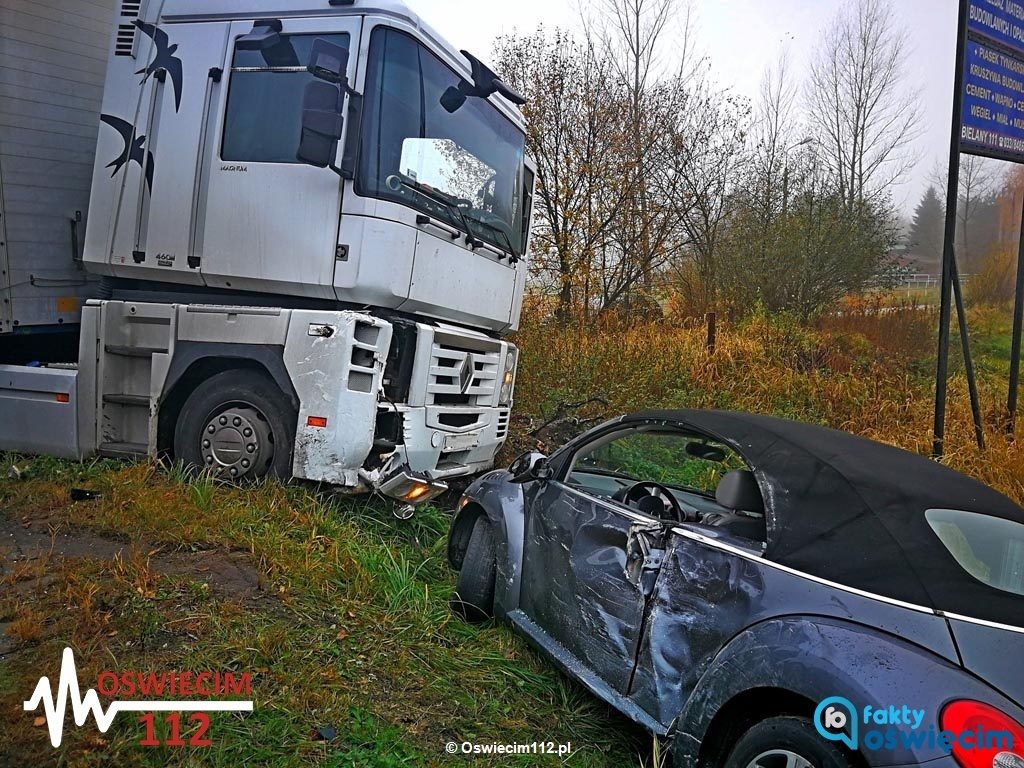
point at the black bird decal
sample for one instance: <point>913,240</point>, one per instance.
<point>164,60</point>
<point>134,149</point>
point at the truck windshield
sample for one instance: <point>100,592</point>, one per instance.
<point>464,167</point>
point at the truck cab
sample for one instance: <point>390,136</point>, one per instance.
<point>323,195</point>
<point>212,193</point>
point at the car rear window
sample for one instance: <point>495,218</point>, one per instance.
<point>990,549</point>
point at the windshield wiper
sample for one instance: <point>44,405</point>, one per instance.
<point>512,255</point>
<point>438,197</point>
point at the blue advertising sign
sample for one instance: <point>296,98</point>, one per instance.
<point>992,122</point>
<point>998,20</point>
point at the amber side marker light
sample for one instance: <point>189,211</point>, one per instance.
<point>987,737</point>
<point>417,492</point>
<point>405,486</point>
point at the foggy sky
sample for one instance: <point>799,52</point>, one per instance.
<point>741,38</point>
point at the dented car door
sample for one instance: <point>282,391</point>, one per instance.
<point>577,588</point>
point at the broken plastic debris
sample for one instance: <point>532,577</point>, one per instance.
<point>326,733</point>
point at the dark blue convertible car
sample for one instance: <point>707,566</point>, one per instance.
<point>763,593</point>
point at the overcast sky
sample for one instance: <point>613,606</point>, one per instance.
<point>742,37</point>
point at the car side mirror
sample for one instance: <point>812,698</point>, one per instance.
<point>529,467</point>
<point>322,124</point>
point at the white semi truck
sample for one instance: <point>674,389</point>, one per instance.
<point>259,236</point>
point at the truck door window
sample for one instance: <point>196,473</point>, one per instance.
<point>264,110</point>
<point>471,160</point>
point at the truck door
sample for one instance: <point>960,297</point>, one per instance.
<point>271,222</point>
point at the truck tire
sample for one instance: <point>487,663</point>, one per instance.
<point>474,589</point>
<point>788,742</point>
<point>238,425</point>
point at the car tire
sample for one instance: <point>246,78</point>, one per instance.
<point>474,589</point>
<point>239,426</point>
<point>778,740</point>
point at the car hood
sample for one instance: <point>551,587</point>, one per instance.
<point>994,654</point>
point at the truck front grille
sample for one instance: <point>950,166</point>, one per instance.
<point>462,376</point>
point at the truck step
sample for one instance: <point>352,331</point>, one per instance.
<point>123,450</point>
<point>142,401</point>
<point>125,351</point>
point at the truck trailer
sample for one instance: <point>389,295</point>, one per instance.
<point>259,237</point>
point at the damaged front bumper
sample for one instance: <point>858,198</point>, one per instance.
<point>415,468</point>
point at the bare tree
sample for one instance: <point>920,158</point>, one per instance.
<point>710,172</point>
<point>774,136</point>
<point>864,116</point>
<point>980,178</point>
<point>634,33</point>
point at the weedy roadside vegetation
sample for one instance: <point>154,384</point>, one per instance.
<point>340,612</point>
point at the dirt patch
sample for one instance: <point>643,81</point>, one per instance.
<point>229,574</point>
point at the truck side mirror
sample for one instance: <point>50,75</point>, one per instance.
<point>265,34</point>
<point>322,103</point>
<point>322,124</point>
<point>328,62</point>
<point>529,467</point>
<point>266,37</point>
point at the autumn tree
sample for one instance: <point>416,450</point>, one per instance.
<point>574,116</point>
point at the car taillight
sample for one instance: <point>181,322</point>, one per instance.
<point>986,737</point>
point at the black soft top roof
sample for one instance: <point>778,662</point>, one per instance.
<point>851,510</point>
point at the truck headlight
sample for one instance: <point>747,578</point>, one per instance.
<point>509,377</point>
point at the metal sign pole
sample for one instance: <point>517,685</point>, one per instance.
<point>965,343</point>
<point>952,194</point>
<point>1018,326</point>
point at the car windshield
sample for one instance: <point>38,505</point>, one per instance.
<point>990,549</point>
<point>674,459</point>
<point>464,167</point>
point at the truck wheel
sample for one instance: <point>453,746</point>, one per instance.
<point>474,589</point>
<point>786,742</point>
<point>238,425</point>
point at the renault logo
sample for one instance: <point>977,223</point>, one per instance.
<point>466,373</point>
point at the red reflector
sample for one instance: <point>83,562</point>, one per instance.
<point>63,398</point>
<point>317,421</point>
<point>984,732</point>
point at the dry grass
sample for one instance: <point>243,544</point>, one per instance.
<point>27,626</point>
<point>865,371</point>
<point>349,625</point>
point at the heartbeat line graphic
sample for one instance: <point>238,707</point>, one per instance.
<point>83,706</point>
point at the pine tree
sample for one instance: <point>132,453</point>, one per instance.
<point>926,230</point>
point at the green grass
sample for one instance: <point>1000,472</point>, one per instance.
<point>350,629</point>
<point>349,626</point>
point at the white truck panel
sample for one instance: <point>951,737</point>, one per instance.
<point>53,59</point>
<point>337,378</point>
<point>39,411</point>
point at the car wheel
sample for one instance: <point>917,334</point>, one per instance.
<point>474,589</point>
<point>786,742</point>
<point>239,426</point>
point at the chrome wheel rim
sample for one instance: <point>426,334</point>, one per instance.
<point>237,442</point>
<point>780,758</point>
